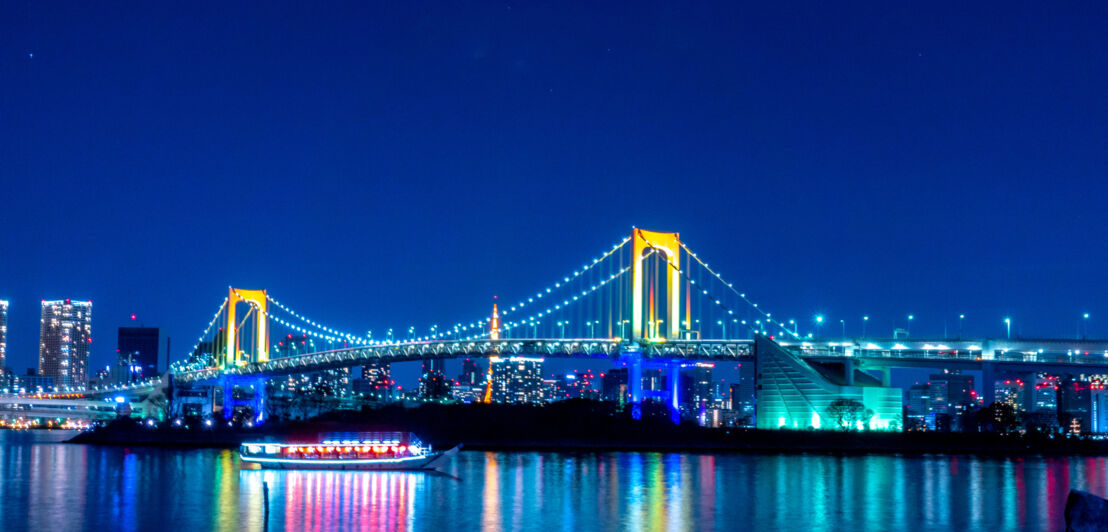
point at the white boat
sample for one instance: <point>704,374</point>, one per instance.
<point>364,451</point>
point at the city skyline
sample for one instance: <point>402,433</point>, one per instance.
<point>878,170</point>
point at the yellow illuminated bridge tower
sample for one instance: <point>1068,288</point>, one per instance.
<point>650,324</point>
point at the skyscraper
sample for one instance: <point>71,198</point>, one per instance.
<point>66,332</point>
<point>432,381</point>
<point>138,351</point>
<point>516,380</point>
<point>3,335</point>
<point>376,381</point>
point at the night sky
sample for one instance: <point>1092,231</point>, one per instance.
<point>393,165</point>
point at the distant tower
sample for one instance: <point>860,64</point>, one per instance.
<point>494,334</point>
<point>494,329</point>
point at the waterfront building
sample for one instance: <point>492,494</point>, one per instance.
<point>467,393</point>
<point>65,335</point>
<point>1044,395</point>
<point>137,349</point>
<point>31,382</point>
<point>516,380</point>
<point>1011,392</point>
<point>3,336</point>
<point>1098,402</point>
<point>794,393</point>
<point>952,392</point>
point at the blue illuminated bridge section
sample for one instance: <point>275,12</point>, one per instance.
<point>931,353</point>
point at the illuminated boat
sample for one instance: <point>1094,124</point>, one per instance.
<point>363,451</point>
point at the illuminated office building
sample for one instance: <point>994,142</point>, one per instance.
<point>66,334</point>
<point>517,380</point>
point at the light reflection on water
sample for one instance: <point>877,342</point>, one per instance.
<point>56,487</point>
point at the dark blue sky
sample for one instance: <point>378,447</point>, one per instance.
<point>387,165</point>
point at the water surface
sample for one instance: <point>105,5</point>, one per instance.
<point>57,487</point>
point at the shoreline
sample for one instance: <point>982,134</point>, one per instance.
<point>590,427</point>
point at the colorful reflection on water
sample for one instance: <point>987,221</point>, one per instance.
<point>56,487</point>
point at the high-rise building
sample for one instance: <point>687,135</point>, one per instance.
<point>516,380</point>
<point>742,392</point>
<point>432,381</point>
<point>1012,392</point>
<point>696,389</point>
<point>3,335</point>
<point>66,332</point>
<point>376,381</point>
<point>1044,396</point>
<point>138,352</point>
<point>952,392</point>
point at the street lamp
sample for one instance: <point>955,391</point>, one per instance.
<point>843,324</point>
<point>961,321</point>
<point>865,319</point>
<point>910,318</point>
<point>1008,324</point>
<point>723,329</point>
<point>793,323</point>
<point>1086,323</point>
<point>819,321</point>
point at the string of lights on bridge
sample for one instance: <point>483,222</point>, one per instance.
<point>719,303</point>
<point>537,317</point>
<point>214,320</point>
<point>558,284</point>
<point>768,316</point>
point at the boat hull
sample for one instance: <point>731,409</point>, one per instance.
<point>417,463</point>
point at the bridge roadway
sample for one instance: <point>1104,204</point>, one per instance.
<point>12,406</point>
<point>1001,356</point>
<point>544,347</point>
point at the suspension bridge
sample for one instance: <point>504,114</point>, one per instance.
<point>648,302</point>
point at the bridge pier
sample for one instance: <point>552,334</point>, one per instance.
<point>634,363</point>
<point>255,399</point>
<point>634,383</point>
<point>673,383</point>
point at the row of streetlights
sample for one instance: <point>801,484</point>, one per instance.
<point>819,319</point>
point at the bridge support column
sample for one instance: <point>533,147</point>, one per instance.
<point>634,384</point>
<point>988,382</point>
<point>251,392</point>
<point>886,377</point>
<point>673,385</point>
<point>848,369</point>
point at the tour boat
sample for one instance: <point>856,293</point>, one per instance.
<point>363,451</point>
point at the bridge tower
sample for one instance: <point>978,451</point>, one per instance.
<point>644,318</point>
<point>257,299</point>
<point>669,245</point>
